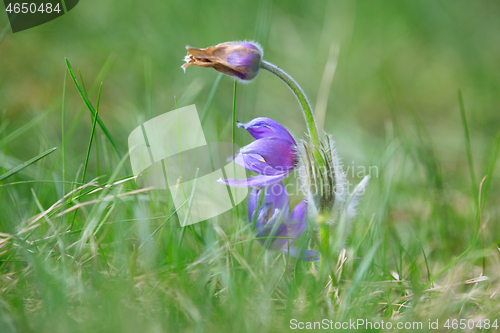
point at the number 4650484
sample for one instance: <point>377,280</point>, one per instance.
<point>470,324</point>
<point>32,8</point>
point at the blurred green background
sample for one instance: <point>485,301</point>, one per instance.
<point>400,63</point>
<point>393,103</point>
<point>403,60</point>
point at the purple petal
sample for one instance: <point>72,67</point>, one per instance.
<point>277,194</point>
<point>246,59</point>
<point>302,254</point>
<point>299,213</point>
<point>291,228</point>
<point>276,153</point>
<point>254,181</point>
<point>253,46</point>
<point>253,200</point>
<point>265,212</point>
<point>274,209</point>
<point>296,223</point>
<point>265,127</point>
<point>290,231</point>
<point>254,162</point>
<point>276,244</point>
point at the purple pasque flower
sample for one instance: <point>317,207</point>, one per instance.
<point>274,225</point>
<point>238,59</point>
<point>272,155</point>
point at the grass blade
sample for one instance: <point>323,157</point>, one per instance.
<point>63,121</point>
<point>4,125</point>
<point>361,272</point>
<point>467,146</point>
<point>26,164</point>
<point>491,167</point>
<point>91,136</point>
<point>29,125</point>
<point>234,143</point>
<point>4,31</point>
<point>210,98</point>
<point>326,84</point>
<point>92,110</point>
<point>148,81</point>
<point>100,77</point>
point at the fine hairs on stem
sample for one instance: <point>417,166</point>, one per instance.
<point>304,103</point>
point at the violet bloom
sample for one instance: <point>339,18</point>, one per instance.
<point>272,155</point>
<point>237,59</point>
<point>274,225</point>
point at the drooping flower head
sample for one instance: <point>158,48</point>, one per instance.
<point>272,155</point>
<point>238,59</point>
<point>274,225</point>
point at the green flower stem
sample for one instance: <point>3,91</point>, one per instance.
<point>304,103</point>
<point>324,241</point>
<point>313,134</point>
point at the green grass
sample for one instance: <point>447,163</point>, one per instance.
<point>26,164</point>
<point>82,248</point>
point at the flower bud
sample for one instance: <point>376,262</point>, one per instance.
<point>326,188</point>
<point>238,59</point>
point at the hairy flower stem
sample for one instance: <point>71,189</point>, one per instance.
<point>315,141</point>
<point>304,103</point>
<point>324,241</point>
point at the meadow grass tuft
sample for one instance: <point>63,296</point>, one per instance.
<point>83,248</point>
<point>107,256</point>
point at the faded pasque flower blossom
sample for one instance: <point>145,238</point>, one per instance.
<point>272,155</point>
<point>238,59</point>
<point>274,225</point>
